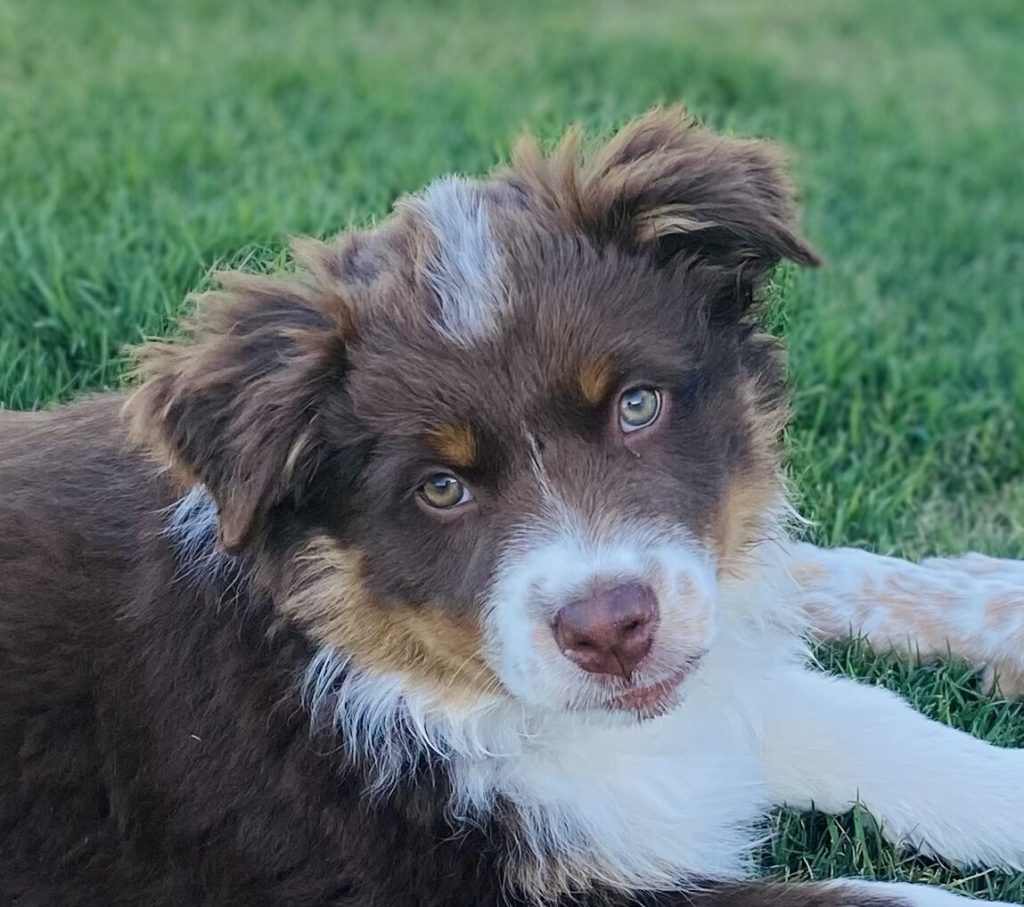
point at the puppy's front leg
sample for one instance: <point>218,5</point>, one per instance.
<point>971,607</point>
<point>832,742</point>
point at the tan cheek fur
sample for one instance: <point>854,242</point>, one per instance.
<point>436,653</point>
<point>752,495</point>
<point>742,520</point>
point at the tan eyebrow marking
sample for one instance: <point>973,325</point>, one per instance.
<point>595,378</point>
<point>455,443</point>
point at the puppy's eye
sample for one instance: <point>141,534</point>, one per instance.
<point>638,408</point>
<point>444,491</point>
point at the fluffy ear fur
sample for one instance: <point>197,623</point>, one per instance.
<point>666,185</point>
<point>233,402</point>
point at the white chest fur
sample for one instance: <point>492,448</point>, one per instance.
<point>633,805</point>
<point>638,805</point>
<point>642,806</point>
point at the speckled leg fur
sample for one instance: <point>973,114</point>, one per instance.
<point>970,607</point>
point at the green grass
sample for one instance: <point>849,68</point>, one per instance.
<point>144,144</point>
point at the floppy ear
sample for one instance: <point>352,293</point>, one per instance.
<point>233,402</point>
<point>667,186</point>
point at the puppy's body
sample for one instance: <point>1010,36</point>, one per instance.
<point>139,770</point>
<point>156,748</point>
<point>153,705</point>
<point>451,572</point>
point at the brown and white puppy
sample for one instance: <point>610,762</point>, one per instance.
<point>450,569</point>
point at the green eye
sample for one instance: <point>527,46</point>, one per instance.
<point>444,491</point>
<point>638,408</point>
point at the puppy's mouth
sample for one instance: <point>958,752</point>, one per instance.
<point>655,699</point>
<point>658,697</point>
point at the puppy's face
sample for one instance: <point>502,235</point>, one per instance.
<point>507,443</point>
<point>559,465</point>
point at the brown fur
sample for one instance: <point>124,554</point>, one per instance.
<point>665,180</point>
<point>154,748</point>
<point>249,449</point>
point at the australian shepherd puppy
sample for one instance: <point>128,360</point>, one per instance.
<point>450,569</point>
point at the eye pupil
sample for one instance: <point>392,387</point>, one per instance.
<point>638,408</point>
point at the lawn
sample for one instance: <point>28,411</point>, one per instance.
<point>144,144</point>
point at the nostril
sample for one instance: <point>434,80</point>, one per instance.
<point>634,624</point>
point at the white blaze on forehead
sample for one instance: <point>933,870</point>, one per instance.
<point>465,266</point>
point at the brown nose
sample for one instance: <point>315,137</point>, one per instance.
<point>608,631</point>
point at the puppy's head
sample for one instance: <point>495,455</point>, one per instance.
<point>507,443</point>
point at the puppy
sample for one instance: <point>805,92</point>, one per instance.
<point>451,569</point>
